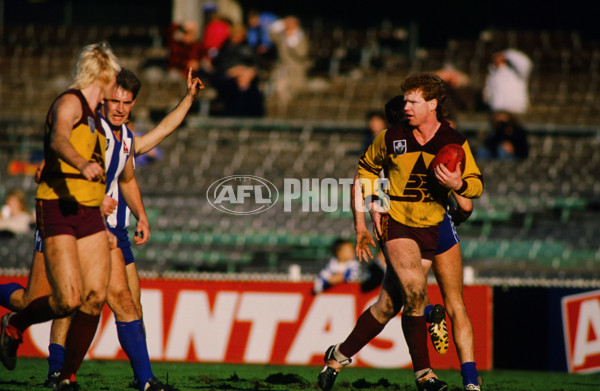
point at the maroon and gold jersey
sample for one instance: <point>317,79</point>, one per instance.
<point>62,181</point>
<point>416,199</point>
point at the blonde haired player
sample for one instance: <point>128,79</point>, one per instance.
<point>72,228</point>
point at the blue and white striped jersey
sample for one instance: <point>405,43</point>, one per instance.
<point>117,153</point>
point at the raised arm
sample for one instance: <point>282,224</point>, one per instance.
<point>151,139</point>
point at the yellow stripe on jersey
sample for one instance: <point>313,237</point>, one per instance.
<point>414,199</point>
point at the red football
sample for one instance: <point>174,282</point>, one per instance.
<point>449,156</point>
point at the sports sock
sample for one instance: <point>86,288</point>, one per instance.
<point>415,333</point>
<point>6,290</point>
<point>366,328</point>
<point>38,311</point>
<point>56,358</point>
<point>79,338</point>
<point>428,309</point>
<point>469,373</point>
<point>133,341</point>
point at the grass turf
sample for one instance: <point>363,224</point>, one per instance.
<point>116,375</point>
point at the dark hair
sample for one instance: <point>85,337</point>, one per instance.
<point>432,87</point>
<point>128,81</point>
<point>337,245</point>
<point>394,110</point>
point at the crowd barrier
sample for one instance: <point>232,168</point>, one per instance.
<point>274,322</point>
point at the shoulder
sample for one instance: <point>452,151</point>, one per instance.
<point>68,105</point>
<point>446,135</point>
<point>397,137</point>
<point>68,98</point>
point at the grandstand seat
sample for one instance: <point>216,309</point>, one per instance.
<point>542,211</point>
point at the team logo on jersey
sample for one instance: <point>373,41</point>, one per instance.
<point>91,124</point>
<point>399,147</point>
<point>416,188</point>
<point>126,146</point>
<point>107,144</point>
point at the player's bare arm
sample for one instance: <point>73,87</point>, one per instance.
<point>151,139</point>
<point>463,209</point>
<point>464,203</point>
<point>67,111</point>
<point>364,239</point>
<point>132,195</point>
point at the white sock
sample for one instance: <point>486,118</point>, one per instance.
<point>422,373</point>
<point>339,357</point>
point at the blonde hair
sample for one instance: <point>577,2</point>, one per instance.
<point>95,62</point>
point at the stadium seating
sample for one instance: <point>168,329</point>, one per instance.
<point>540,214</point>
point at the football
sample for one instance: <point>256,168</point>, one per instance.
<point>449,156</point>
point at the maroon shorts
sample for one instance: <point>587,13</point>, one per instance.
<point>426,238</point>
<point>56,217</point>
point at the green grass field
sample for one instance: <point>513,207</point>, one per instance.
<point>116,375</point>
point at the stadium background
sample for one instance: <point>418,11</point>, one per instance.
<point>532,238</point>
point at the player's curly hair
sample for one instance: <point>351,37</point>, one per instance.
<point>432,87</point>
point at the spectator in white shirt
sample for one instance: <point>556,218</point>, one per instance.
<point>507,84</point>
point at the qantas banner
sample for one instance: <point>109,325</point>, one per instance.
<point>581,325</point>
<point>265,322</point>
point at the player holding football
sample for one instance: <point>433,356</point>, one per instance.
<point>447,268</point>
<point>410,228</point>
<point>124,290</point>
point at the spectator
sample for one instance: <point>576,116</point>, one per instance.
<point>216,32</point>
<point>185,49</point>
<point>343,267</point>
<point>292,63</point>
<point>235,76</point>
<point>507,84</point>
<point>15,218</point>
<point>230,10</point>
<point>507,140</point>
<point>259,24</point>
<point>376,123</point>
